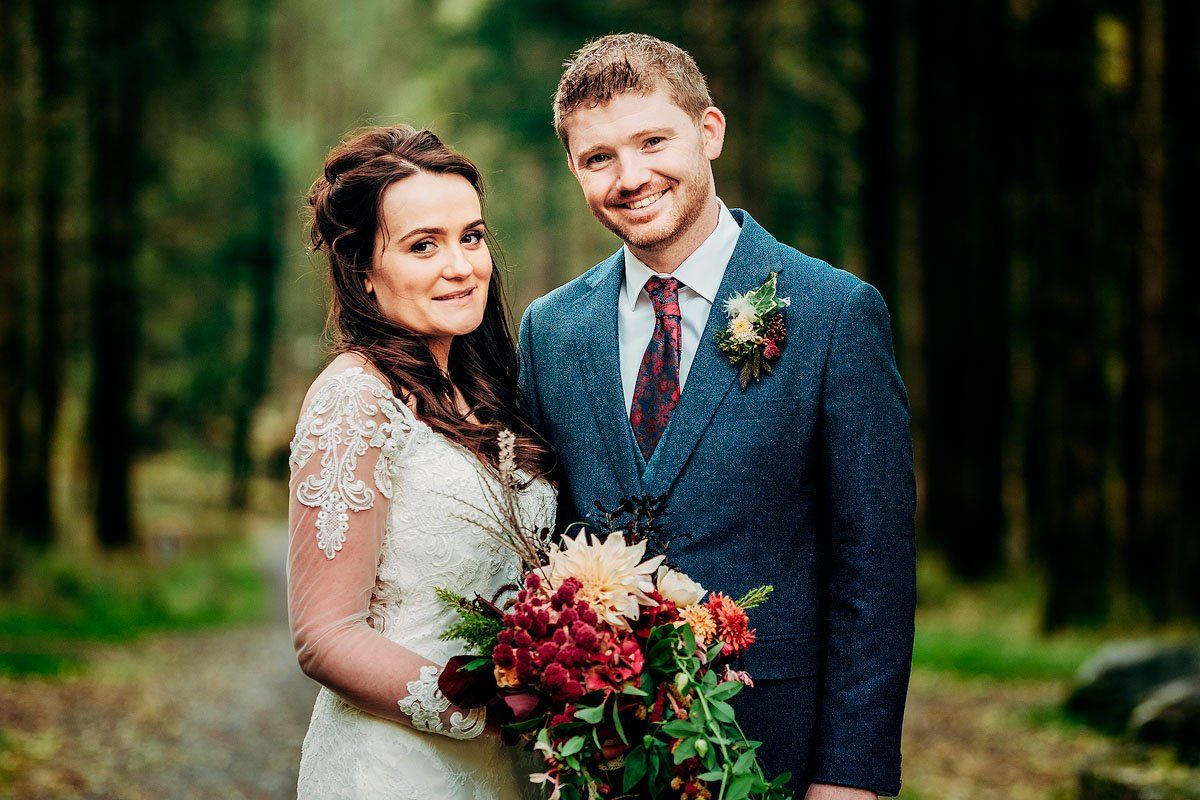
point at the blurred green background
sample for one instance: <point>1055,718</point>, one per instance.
<point>1014,175</point>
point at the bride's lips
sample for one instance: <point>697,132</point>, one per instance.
<point>460,296</point>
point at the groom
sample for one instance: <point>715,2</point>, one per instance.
<point>803,479</point>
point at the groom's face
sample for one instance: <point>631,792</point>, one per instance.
<point>644,165</point>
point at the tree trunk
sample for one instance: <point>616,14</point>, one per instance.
<point>1152,544</point>
<point>115,117</point>
<point>726,40</point>
<point>1182,369</point>
<point>879,148</point>
<point>11,344</point>
<point>264,261</point>
<point>55,108</point>
<point>1068,430</point>
<point>962,109</point>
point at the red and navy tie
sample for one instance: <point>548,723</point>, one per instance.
<point>656,392</point>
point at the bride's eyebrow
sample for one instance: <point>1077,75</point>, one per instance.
<point>423,232</point>
<point>435,231</point>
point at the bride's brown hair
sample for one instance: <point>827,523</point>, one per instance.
<point>345,203</point>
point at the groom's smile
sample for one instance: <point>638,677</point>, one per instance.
<point>643,202</point>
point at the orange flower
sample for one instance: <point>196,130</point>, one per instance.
<point>733,626</point>
<point>704,627</point>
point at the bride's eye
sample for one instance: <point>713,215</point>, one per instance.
<point>473,237</point>
<point>422,247</point>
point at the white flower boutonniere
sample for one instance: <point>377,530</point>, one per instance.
<point>754,338</point>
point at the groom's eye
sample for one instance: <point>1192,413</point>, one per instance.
<point>596,159</point>
<point>655,140</point>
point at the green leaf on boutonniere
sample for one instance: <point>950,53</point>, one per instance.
<point>765,298</point>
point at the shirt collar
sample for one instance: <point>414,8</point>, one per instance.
<point>701,271</point>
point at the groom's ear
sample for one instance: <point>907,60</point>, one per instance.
<point>571,164</point>
<point>712,130</point>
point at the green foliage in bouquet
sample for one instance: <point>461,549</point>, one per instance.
<point>698,736</point>
<point>477,626</point>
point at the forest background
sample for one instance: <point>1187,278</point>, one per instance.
<point>1013,175</point>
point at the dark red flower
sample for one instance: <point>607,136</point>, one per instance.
<point>554,678</point>
<point>572,656</point>
<point>466,688</point>
<point>522,703</point>
<point>503,655</point>
<point>566,715</point>
<point>547,652</point>
<point>527,671</point>
<point>776,329</point>
<point>584,635</point>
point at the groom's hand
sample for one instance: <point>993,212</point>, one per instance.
<point>823,791</point>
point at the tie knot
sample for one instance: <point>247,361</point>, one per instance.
<point>664,293</point>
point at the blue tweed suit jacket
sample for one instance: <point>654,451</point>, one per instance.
<point>804,480</point>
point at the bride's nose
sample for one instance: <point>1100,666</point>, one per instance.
<point>458,266</point>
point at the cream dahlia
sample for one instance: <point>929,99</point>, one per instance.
<point>614,580</point>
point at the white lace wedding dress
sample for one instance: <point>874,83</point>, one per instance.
<point>383,512</point>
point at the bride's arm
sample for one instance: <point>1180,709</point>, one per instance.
<point>349,430</point>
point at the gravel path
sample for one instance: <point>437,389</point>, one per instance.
<point>212,715</point>
<point>222,714</point>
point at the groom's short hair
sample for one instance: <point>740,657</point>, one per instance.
<point>628,62</point>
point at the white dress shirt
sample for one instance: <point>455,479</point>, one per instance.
<point>700,275</point>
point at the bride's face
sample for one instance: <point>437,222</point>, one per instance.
<point>431,266</point>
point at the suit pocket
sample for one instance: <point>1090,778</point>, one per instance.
<point>750,409</point>
<point>784,656</point>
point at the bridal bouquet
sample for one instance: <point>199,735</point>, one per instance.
<point>617,669</point>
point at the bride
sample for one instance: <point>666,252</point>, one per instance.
<point>393,463</point>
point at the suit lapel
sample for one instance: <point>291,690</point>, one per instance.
<point>711,376</point>
<point>600,365</point>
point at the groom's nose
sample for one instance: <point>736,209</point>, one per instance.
<point>632,173</point>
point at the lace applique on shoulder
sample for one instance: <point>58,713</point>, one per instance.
<point>426,703</point>
<point>352,412</point>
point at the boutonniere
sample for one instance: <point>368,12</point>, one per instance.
<point>755,335</point>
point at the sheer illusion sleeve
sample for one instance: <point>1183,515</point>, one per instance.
<point>350,437</point>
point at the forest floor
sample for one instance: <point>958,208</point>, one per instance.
<point>221,714</point>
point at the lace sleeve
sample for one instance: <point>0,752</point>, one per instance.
<point>349,440</point>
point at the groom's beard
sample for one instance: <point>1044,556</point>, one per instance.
<point>688,200</point>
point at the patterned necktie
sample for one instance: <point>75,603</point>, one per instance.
<point>656,392</point>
